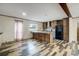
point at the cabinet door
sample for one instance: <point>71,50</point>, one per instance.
<point>78,34</point>
<point>44,25</point>
<point>47,38</point>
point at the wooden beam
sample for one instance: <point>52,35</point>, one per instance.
<point>65,8</point>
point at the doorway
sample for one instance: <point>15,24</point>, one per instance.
<point>18,30</point>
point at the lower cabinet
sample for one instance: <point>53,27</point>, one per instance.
<point>44,37</point>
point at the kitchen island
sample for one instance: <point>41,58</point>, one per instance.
<point>43,36</point>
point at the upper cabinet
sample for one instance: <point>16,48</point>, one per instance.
<point>53,24</point>
<point>44,25</point>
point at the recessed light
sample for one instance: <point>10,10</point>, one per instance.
<point>24,14</point>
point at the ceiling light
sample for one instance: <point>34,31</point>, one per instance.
<point>24,14</point>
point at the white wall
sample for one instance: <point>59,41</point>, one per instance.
<point>26,33</point>
<point>72,30</point>
<point>7,27</point>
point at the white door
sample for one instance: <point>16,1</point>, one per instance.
<point>18,30</point>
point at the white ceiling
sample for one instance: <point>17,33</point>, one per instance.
<point>74,9</point>
<point>38,11</point>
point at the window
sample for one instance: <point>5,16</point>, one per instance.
<point>33,27</point>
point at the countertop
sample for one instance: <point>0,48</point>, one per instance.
<point>41,32</point>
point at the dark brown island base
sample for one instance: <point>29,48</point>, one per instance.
<point>43,36</point>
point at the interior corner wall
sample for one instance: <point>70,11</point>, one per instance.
<point>72,30</point>
<point>26,33</point>
<point>7,27</point>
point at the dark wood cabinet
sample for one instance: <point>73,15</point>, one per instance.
<point>65,25</point>
<point>78,33</point>
<point>44,25</point>
<point>66,30</point>
<point>44,37</point>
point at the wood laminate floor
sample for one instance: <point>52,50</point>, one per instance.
<point>32,47</point>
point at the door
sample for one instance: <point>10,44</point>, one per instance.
<point>18,30</point>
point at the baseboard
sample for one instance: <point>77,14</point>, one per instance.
<point>10,42</point>
<point>16,40</point>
